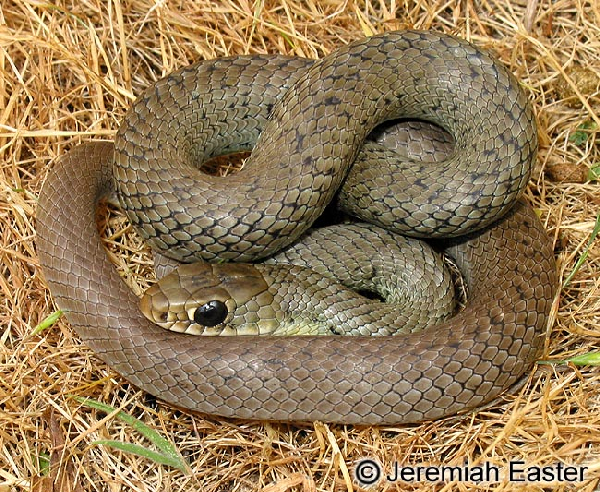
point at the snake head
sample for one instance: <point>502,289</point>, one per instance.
<point>206,299</point>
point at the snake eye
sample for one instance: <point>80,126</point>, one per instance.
<point>210,314</point>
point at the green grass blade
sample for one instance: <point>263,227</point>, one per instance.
<point>584,255</point>
<point>165,448</point>
<point>588,359</point>
<point>47,322</point>
<point>138,450</point>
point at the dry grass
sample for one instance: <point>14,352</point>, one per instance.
<point>69,70</point>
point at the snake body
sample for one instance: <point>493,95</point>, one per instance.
<point>321,115</point>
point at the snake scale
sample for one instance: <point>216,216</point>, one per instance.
<point>314,118</point>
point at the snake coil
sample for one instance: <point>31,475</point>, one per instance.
<point>320,114</point>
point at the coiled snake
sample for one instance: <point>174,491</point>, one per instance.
<point>320,114</point>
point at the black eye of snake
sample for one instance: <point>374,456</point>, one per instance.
<point>210,314</point>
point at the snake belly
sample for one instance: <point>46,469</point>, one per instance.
<point>508,263</point>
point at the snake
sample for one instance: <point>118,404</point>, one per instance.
<point>308,124</point>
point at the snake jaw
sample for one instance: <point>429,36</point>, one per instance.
<point>165,305</point>
<point>239,290</point>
